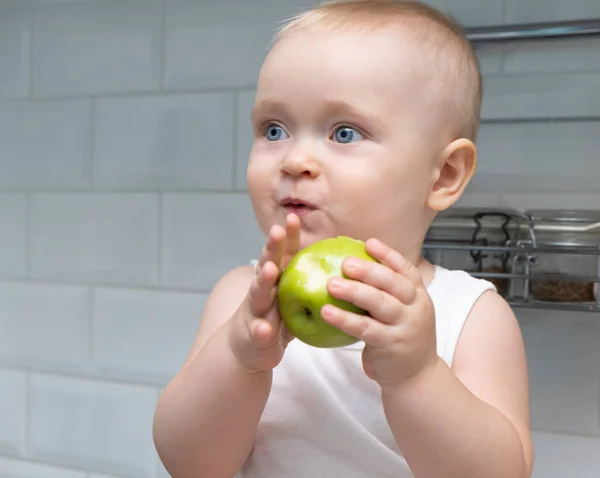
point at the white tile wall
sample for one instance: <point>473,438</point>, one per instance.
<point>541,95</point>
<point>245,102</point>
<point>231,36</point>
<point>518,11</point>
<point>45,144</point>
<point>222,235</point>
<point>98,47</point>
<point>130,330</point>
<point>13,403</point>
<point>176,142</point>
<point>99,426</point>
<point>110,238</point>
<point>124,136</point>
<point>15,45</point>
<point>45,326</point>
<point>472,12</point>
<point>510,156</point>
<point>564,56</point>
<point>16,468</point>
<point>566,456</point>
<point>14,220</point>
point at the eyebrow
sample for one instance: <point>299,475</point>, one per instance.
<point>331,108</point>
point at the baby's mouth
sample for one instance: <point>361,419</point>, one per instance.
<point>297,207</point>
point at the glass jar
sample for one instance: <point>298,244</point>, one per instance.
<point>566,261</point>
<point>455,237</point>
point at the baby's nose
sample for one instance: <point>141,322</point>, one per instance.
<point>300,163</point>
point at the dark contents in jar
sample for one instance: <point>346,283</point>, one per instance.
<point>552,290</point>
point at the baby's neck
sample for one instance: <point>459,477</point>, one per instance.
<point>427,270</point>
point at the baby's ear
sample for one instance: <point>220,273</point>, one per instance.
<point>452,174</point>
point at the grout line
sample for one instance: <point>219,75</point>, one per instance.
<point>28,395</point>
<point>28,233</point>
<point>118,190</point>
<point>159,242</point>
<point>540,119</point>
<point>89,367</point>
<point>81,376</point>
<point>92,143</point>
<point>163,47</point>
<point>55,465</point>
<point>105,285</point>
<point>30,92</point>
<point>235,145</point>
<point>139,93</point>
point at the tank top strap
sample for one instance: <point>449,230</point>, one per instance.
<point>454,293</point>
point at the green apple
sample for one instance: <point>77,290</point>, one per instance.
<point>302,290</point>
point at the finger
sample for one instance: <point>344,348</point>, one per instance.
<point>362,327</point>
<point>381,277</point>
<point>393,259</point>
<point>273,248</point>
<point>292,232</point>
<point>262,291</point>
<point>379,304</point>
<point>261,332</point>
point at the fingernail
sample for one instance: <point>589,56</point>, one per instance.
<point>328,311</point>
<point>335,282</point>
<point>351,263</point>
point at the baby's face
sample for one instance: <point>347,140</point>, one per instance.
<point>342,137</point>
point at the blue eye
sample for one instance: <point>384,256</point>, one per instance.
<point>346,134</point>
<point>275,133</point>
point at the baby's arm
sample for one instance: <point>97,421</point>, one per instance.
<point>207,416</point>
<point>473,420</point>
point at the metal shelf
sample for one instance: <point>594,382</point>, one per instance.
<point>514,255</point>
<point>565,306</point>
<point>534,31</point>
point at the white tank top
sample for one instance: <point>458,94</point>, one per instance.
<point>324,417</point>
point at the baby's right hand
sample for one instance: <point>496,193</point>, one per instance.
<point>259,337</point>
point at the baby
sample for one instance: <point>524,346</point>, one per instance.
<point>364,124</point>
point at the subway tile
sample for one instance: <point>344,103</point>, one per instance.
<point>245,103</point>
<point>471,12</point>
<point>44,144</point>
<point>551,200</point>
<point>178,142</point>
<point>210,45</point>
<point>564,370</point>
<point>13,240</point>
<point>206,235</point>
<point>97,47</point>
<point>491,58</point>
<point>478,199</point>
<point>106,238</point>
<point>143,336</point>
<point>538,157</point>
<point>561,456</point>
<point>60,317</point>
<point>29,4</point>
<point>98,426</point>
<point>534,11</point>
<point>13,406</point>
<point>558,57</point>
<point>15,41</point>
<point>20,468</point>
<point>541,95</point>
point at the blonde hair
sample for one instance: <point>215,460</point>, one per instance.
<point>454,55</point>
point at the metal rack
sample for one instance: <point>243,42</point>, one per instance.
<point>514,244</point>
<point>533,31</point>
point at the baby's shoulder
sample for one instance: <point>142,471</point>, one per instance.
<point>458,286</point>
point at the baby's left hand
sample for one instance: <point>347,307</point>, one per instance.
<point>399,332</point>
